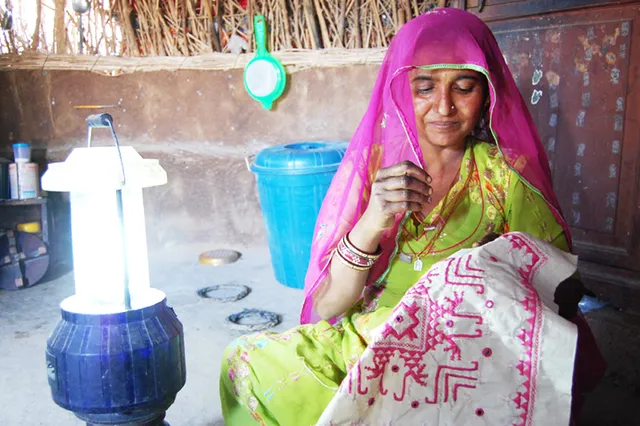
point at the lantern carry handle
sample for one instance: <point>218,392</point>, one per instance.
<point>101,121</point>
<point>104,120</point>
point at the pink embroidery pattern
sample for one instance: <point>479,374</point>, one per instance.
<point>447,384</point>
<point>423,323</point>
<point>532,260</point>
<point>418,325</point>
<point>458,273</point>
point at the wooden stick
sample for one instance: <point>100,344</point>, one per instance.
<point>276,24</point>
<point>382,40</point>
<point>202,28</point>
<point>227,23</point>
<point>210,28</point>
<point>35,39</point>
<point>185,28</point>
<point>110,41</point>
<point>407,9</point>
<point>43,38</point>
<point>332,10</point>
<point>296,24</point>
<point>358,36</point>
<point>269,11</point>
<point>103,38</point>
<point>159,30</point>
<point>103,32</point>
<point>59,33</point>
<point>143,42</point>
<point>349,30</point>
<point>252,42</point>
<point>393,28</point>
<point>311,23</point>
<point>176,25</point>
<point>91,35</point>
<point>326,42</point>
<point>396,18</point>
<point>191,30</point>
<point>341,19</point>
<point>176,42</point>
<point>219,23</point>
<point>6,42</point>
<point>132,47</point>
<point>366,41</point>
<point>285,20</point>
<point>146,44</point>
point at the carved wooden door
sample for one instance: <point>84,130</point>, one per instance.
<point>579,72</point>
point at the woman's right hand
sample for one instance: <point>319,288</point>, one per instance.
<point>397,189</point>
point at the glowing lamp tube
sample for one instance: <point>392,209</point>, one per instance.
<point>108,227</point>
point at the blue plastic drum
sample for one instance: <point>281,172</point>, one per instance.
<point>293,180</point>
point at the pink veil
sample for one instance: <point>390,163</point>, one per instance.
<point>445,38</point>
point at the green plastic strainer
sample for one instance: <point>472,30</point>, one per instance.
<point>264,76</point>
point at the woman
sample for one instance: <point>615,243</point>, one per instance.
<point>445,155</point>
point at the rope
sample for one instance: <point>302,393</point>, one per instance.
<point>243,291</point>
<point>270,320</point>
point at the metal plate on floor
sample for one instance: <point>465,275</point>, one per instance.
<point>219,257</point>
<point>220,293</point>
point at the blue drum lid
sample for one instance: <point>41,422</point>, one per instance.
<point>299,158</point>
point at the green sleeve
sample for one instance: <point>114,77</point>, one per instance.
<point>526,211</point>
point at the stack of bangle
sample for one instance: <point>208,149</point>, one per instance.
<point>355,258</point>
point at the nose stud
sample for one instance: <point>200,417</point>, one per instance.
<point>453,107</point>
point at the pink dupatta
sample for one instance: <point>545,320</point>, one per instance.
<point>445,38</point>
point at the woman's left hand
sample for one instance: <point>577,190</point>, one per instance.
<point>567,296</point>
<point>490,236</point>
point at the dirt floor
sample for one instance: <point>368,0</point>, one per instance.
<point>28,316</point>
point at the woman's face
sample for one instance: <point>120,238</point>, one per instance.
<point>448,104</point>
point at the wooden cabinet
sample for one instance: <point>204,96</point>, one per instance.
<point>579,70</point>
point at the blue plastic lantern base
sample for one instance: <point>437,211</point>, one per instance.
<point>117,369</point>
<point>137,418</point>
<point>293,180</point>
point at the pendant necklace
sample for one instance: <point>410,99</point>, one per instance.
<point>415,257</point>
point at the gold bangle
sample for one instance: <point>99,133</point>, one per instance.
<point>349,264</point>
<point>350,246</point>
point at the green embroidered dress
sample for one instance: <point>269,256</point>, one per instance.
<point>289,378</point>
